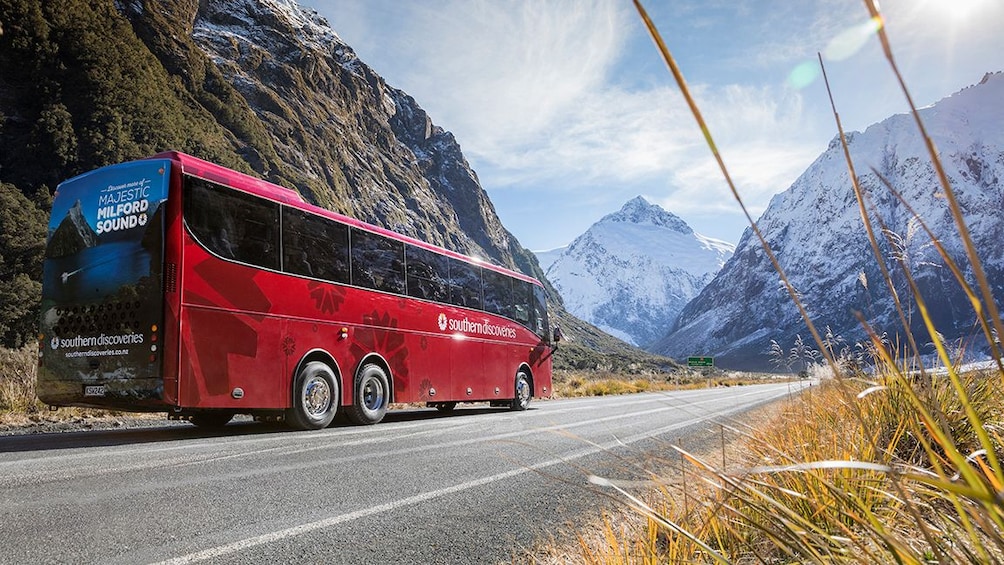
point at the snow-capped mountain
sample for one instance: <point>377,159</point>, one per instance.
<point>547,257</point>
<point>632,272</point>
<point>819,238</point>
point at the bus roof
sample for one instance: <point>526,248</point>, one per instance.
<point>254,185</point>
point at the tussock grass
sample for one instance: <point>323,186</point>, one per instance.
<point>569,384</point>
<point>17,380</point>
<point>843,473</point>
<point>20,407</point>
<point>898,465</point>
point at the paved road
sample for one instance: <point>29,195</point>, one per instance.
<point>477,486</point>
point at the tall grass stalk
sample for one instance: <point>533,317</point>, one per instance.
<point>989,304</point>
<point>695,110</point>
<point>821,485</point>
<point>904,466</point>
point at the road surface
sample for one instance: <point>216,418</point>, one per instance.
<point>477,486</point>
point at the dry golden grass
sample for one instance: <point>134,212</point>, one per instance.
<point>570,384</point>
<point>902,468</point>
<point>20,408</point>
<point>829,476</point>
<point>17,380</point>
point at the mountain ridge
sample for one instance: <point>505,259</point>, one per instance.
<point>261,86</point>
<point>632,271</point>
<point>816,232</point>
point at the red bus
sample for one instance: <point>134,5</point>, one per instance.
<point>174,284</point>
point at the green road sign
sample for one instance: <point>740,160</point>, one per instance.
<point>700,361</point>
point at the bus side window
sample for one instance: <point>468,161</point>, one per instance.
<point>315,246</point>
<point>498,293</point>
<point>377,261</point>
<point>522,294</point>
<point>538,320</point>
<point>428,274</point>
<point>232,224</point>
<point>465,284</point>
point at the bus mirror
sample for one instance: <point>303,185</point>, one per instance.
<point>557,334</point>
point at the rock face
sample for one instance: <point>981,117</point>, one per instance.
<point>632,272</point>
<point>336,131</point>
<point>817,233</point>
<point>73,234</point>
<point>262,86</point>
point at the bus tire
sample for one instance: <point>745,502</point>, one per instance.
<point>523,392</point>
<point>371,395</point>
<point>211,420</point>
<point>315,397</point>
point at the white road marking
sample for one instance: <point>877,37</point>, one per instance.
<point>271,537</point>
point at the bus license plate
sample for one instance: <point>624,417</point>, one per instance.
<point>94,390</point>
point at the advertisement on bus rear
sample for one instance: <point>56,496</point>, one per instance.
<point>102,298</point>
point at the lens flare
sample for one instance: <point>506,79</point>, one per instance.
<point>845,44</point>
<point>803,75</point>
<point>851,40</point>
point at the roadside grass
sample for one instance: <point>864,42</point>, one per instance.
<point>570,383</point>
<point>843,472</point>
<point>18,404</point>
<point>900,464</point>
<point>17,380</point>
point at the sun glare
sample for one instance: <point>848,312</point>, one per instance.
<point>955,11</point>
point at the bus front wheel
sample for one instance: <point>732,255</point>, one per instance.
<point>315,397</point>
<point>523,392</point>
<point>370,396</point>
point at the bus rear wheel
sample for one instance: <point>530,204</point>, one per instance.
<point>315,397</point>
<point>523,392</point>
<point>371,396</point>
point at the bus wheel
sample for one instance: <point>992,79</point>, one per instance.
<point>315,397</point>
<point>371,396</point>
<point>211,420</point>
<point>523,392</point>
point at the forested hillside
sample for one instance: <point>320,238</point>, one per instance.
<point>261,87</point>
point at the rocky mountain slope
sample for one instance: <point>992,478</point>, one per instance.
<point>262,86</point>
<point>632,272</point>
<point>259,85</point>
<point>816,231</point>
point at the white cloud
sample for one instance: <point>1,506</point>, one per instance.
<point>650,138</point>
<point>558,97</point>
<point>497,73</point>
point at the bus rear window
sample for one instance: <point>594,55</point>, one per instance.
<point>232,224</point>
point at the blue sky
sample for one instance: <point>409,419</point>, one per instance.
<point>565,110</point>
